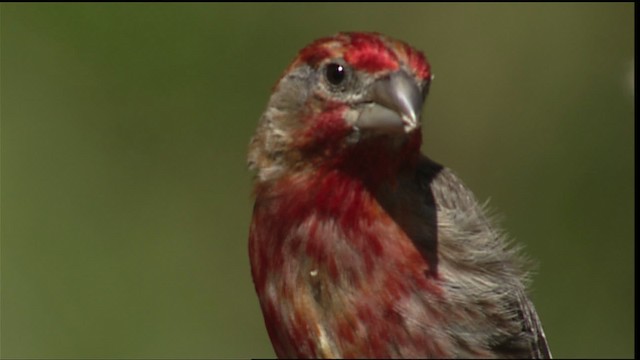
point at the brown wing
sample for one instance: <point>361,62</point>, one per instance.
<point>531,325</point>
<point>520,334</point>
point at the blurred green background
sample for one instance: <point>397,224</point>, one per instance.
<point>126,199</point>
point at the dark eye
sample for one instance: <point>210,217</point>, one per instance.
<point>335,73</point>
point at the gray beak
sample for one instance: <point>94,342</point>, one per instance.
<point>396,105</point>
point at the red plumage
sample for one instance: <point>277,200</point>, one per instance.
<point>359,245</point>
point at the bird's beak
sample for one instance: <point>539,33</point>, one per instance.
<point>396,104</point>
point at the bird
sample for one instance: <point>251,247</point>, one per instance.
<point>361,246</point>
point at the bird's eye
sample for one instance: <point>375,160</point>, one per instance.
<point>335,73</point>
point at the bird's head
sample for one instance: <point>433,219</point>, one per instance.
<point>352,100</point>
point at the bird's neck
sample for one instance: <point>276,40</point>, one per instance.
<point>330,214</point>
<point>348,189</point>
<point>326,183</point>
<point>379,162</point>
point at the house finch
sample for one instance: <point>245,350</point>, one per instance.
<point>361,246</point>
